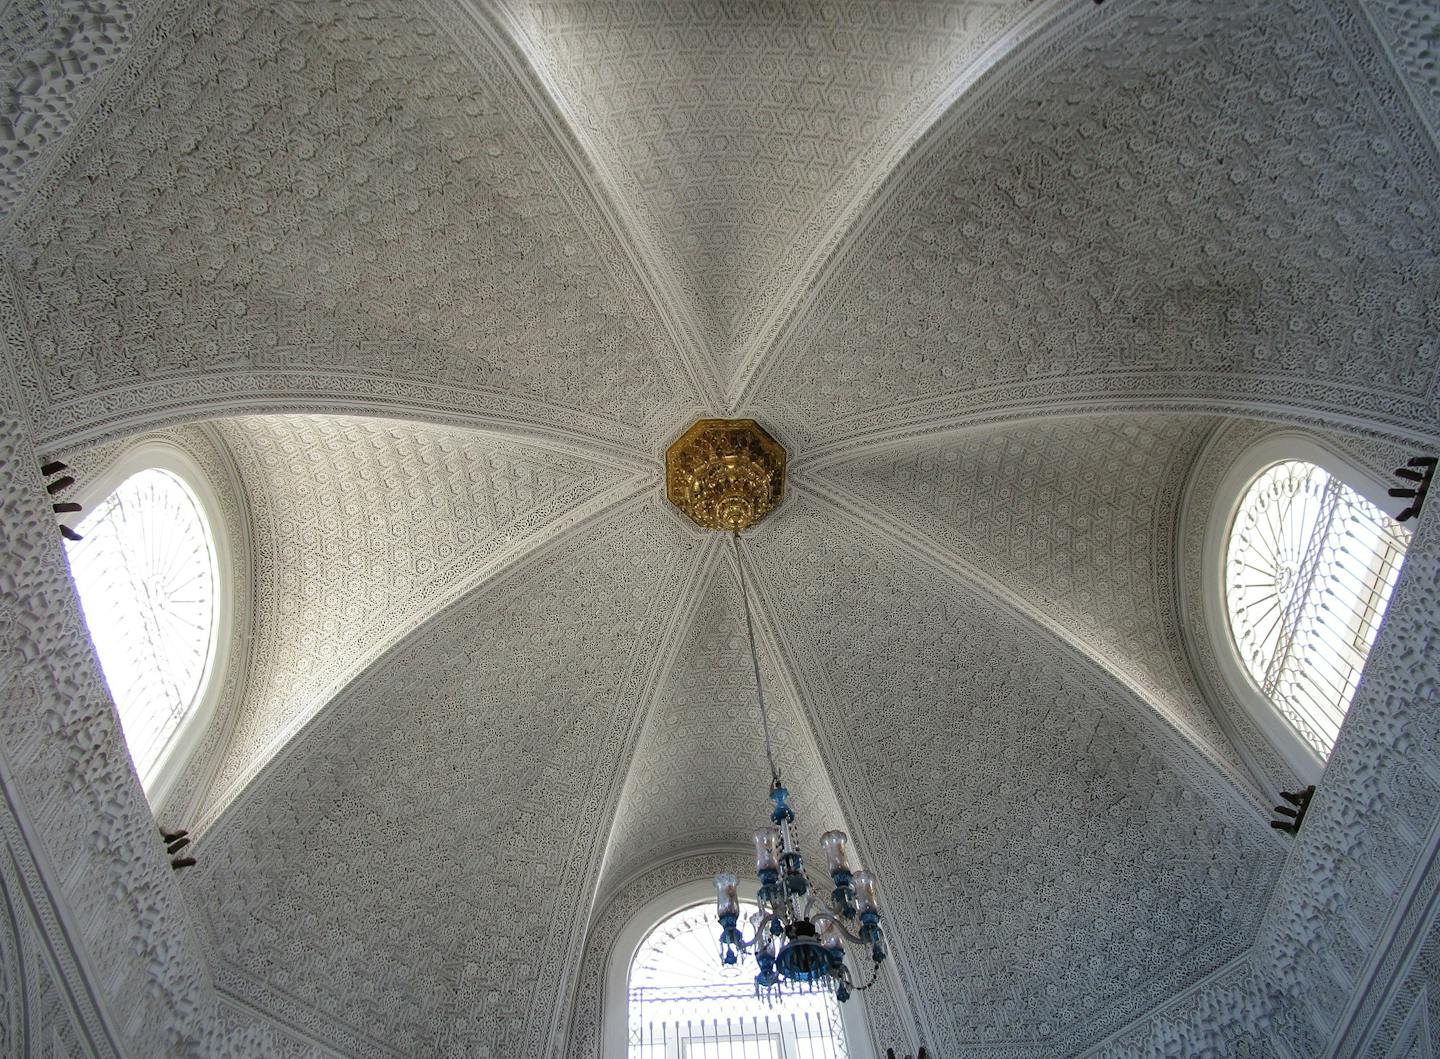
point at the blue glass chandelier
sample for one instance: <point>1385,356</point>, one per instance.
<point>800,940</point>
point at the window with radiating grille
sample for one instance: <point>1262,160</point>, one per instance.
<point>1310,566</point>
<point>682,1004</point>
<point>145,573</point>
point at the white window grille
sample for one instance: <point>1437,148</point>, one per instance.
<point>684,1005</point>
<point>1310,567</point>
<point>145,572</point>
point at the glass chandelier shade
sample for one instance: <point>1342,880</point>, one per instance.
<point>800,939</point>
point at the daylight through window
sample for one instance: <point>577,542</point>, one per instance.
<point>145,571</point>
<point>684,1005</point>
<point>1310,567</point>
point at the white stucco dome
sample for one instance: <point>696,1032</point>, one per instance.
<point>427,289</point>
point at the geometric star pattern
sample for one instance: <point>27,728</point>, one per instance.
<point>737,131</point>
<point>443,279</point>
<point>696,780</point>
<point>362,529</point>
<point>1075,515</point>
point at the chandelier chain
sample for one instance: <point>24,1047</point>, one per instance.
<point>799,933</point>
<point>755,659</point>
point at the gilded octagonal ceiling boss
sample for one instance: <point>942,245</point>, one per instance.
<point>725,474</point>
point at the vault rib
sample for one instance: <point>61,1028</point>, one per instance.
<point>156,406</point>
<point>900,425</point>
<point>851,222</point>
<point>531,314</point>
<point>682,621</point>
<point>869,703</point>
<point>678,620</point>
<point>856,806</point>
<point>508,562</point>
<point>1172,730</point>
<point>676,312</point>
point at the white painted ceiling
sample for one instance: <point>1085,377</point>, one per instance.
<point>448,277</point>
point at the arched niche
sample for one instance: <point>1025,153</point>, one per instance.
<point>637,927</point>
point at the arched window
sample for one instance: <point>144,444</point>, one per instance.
<point>146,573</point>
<point>683,1004</point>
<point>1309,568</point>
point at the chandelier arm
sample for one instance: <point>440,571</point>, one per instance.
<point>814,904</point>
<point>755,659</point>
<point>757,924</point>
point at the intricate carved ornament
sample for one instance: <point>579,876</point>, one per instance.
<point>725,474</point>
<point>264,148</point>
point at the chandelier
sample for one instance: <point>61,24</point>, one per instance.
<point>727,475</point>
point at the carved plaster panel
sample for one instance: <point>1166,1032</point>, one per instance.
<point>1411,1025</point>
<point>1076,515</point>
<point>247,1033</point>
<point>738,134</point>
<point>363,528</point>
<point>64,768</point>
<point>1223,1017</point>
<point>14,972</point>
<point>345,204</point>
<point>410,877</point>
<point>1361,869</point>
<point>1188,205</point>
<point>1410,29</point>
<point>1021,791</point>
<point>55,57</point>
<point>699,777</point>
<point>308,191</point>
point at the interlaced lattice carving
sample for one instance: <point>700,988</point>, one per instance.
<point>362,529</point>
<point>423,225</point>
<point>1220,208</point>
<point>737,133</point>
<point>67,772</point>
<point>708,718</point>
<point>1073,514</point>
<point>496,710</point>
<point>53,54</point>
<point>1012,724</point>
<point>1139,222</point>
<point>1410,29</point>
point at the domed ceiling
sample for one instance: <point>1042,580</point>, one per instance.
<point>444,279</point>
<point>580,707</point>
